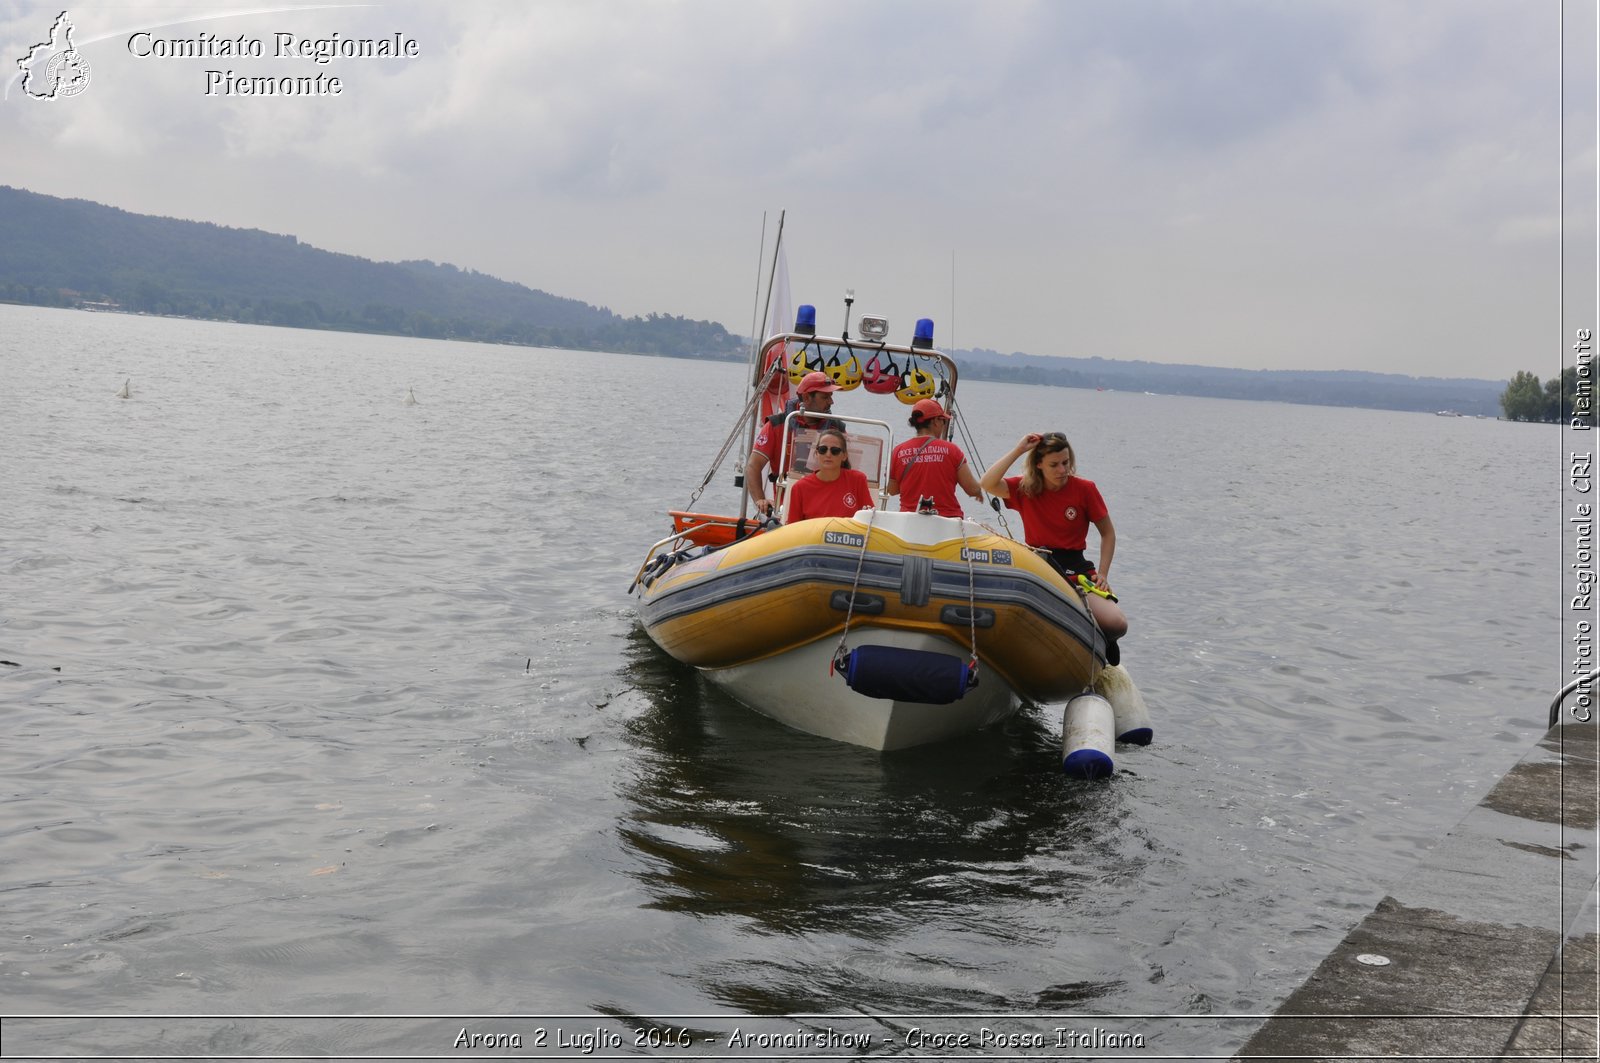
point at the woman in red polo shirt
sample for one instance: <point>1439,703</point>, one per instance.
<point>930,466</point>
<point>1057,507</point>
<point>833,490</point>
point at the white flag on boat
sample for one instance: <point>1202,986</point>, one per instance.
<point>780,319</point>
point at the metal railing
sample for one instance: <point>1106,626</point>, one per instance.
<point>1555,706</point>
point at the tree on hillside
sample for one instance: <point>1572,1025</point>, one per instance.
<point>1552,399</point>
<point>1523,398</point>
<point>1564,405</point>
<point>1555,401</point>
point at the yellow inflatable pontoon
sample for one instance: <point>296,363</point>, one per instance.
<point>885,630</point>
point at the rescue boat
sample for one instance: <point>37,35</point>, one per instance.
<point>884,629</point>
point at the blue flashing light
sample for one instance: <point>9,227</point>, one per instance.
<point>923,337</point>
<point>805,320</point>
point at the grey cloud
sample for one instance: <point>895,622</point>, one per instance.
<point>1223,160</point>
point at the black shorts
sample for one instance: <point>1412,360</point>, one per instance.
<point>1070,563</point>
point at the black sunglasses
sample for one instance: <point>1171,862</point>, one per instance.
<point>830,450</point>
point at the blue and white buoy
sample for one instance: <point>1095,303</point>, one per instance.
<point>1133,716</point>
<point>1086,730</point>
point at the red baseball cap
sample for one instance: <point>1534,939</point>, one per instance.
<point>927,409</point>
<point>817,381</point>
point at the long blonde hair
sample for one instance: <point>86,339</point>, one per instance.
<point>1050,443</point>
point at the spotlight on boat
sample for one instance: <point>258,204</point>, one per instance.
<point>923,338</point>
<point>805,320</point>
<point>874,329</point>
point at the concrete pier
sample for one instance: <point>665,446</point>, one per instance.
<point>1487,950</point>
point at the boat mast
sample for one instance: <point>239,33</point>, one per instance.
<point>755,302</point>
<point>756,374</point>
<point>766,305</point>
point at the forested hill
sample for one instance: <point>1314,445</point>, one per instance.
<point>70,252</point>
<point>67,252</point>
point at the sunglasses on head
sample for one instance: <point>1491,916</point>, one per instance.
<point>830,450</point>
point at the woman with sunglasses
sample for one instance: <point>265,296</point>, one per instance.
<point>835,489</point>
<point>1057,507</point>
<point>930,466</point>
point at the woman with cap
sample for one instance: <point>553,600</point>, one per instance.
<point>930,466</point>
<point>1057,507</point>
<point>816,399</point>
<point>835,489</point>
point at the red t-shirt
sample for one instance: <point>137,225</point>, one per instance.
<point>927,466</point>
<point>813,497</point>
<point>1059,519</point>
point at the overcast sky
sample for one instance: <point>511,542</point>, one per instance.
<point>1321,184</point>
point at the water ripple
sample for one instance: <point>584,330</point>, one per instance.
<point>320,703</point>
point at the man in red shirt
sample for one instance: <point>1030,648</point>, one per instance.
<point>816,398</point>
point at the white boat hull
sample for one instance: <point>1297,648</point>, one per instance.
<point>796,689</point>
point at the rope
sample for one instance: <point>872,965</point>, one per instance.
<point>972,608</point>
<point>749,410</point>
<point>855,584</point>
<point>1095,668</point>
<point>971,448</point>
<point>1083,595</point>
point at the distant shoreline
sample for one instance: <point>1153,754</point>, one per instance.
<point>72,253</point>
<point>352,331</point>
<point>973,366</point>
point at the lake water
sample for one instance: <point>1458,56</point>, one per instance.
<point>318,704</point>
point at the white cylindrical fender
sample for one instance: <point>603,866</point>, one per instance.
<point>1086,737</point>
<point>1133,716</point>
